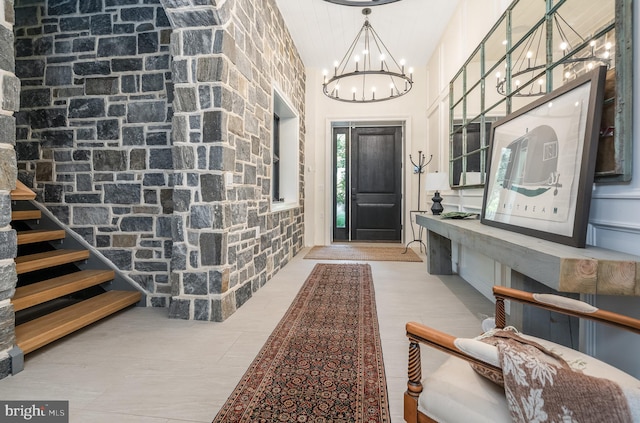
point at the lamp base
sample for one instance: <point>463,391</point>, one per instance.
<point>436,208</point>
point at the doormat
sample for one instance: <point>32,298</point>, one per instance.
<point>362,253</point>
<point>323,362</point>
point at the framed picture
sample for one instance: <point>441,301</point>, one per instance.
<point>541,163</point>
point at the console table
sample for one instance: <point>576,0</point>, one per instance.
<point>589,270</point>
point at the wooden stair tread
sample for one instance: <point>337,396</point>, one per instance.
<point>22,192</point>
<point>39,235</point>
<point>40,292</point>
<point>38,261</point>
<point>26,215</point>
<point>46,329</point>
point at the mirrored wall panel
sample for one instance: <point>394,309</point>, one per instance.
<point>534,48</point>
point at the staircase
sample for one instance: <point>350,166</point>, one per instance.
<point>55,295</point>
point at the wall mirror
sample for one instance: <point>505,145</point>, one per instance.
<point>535,47</point>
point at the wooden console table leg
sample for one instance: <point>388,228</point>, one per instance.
<point>439,257</point>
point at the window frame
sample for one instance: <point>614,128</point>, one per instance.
<point>288,168</point>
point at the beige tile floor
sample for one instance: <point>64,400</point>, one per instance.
<point>141,367</point>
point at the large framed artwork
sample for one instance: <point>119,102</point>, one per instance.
<point>541,163</point>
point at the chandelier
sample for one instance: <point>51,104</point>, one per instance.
<point>368,72</point>
<point>526,67</point>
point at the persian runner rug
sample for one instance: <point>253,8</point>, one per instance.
<point>323,362</point>
<point>362,253</point>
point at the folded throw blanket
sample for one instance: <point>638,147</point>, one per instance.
<point>541,387</point>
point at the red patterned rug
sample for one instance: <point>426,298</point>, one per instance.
<point>323,362</point>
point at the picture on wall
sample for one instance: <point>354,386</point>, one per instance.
<point>542,162</point>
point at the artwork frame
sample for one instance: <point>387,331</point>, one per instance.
<point>541,163</point>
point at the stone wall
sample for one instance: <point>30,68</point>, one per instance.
<point>93,131</point>
<point>9,100</point>
<point>134,114</point>
<point>227,242</point>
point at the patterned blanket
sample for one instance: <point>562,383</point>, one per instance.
<point>541,387</point>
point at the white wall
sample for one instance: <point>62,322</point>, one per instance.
<point>613,219</point>
<point>321,111</point>
<point>470,23</point>
<point>614,224</point>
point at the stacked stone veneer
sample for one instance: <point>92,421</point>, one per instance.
<point>134,111</point>
<point>9,101</point>
<point>227,242</point>
<point>93,131</point>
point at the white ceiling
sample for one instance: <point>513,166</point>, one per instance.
<point>323,31</point>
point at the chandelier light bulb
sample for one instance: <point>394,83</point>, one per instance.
<point>567,74</point>
<point>540,81</point>
<point>563,45</point>
<point>607,46</point>
<point>504,42</point>
<point>365,52</point>
<point>382,57</point>
<point>590,66</point>
<point>606,54</point>
<point>592,43</point>
<point>517,83</point>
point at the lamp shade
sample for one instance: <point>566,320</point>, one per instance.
<point>437,181</point>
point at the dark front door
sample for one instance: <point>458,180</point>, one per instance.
<point>376,184</point>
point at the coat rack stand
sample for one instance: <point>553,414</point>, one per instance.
<point>418,168</point>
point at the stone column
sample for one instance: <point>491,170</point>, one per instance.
<point>201,157</point>
<point>9,103</point>
<point>227,242</point>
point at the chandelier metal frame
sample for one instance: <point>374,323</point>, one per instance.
<point>399,82</point>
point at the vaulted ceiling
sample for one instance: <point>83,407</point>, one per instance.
<point>323,31</point>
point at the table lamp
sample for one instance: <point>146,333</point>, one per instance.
<point>437,181</point>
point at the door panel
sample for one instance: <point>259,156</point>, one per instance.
<point>376,184</point>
